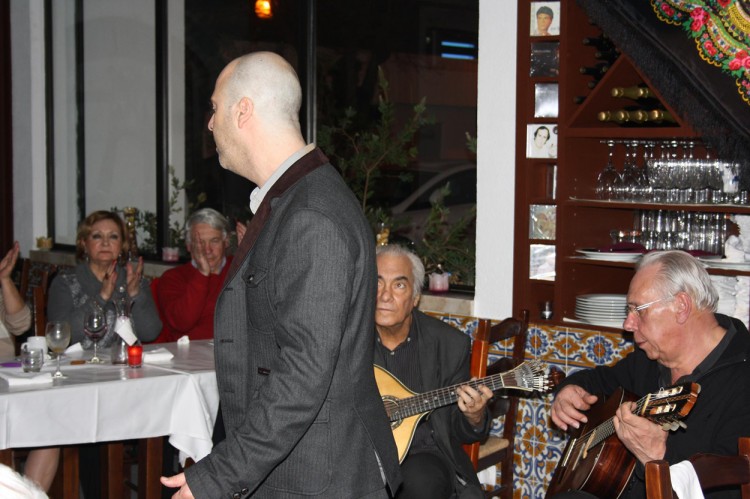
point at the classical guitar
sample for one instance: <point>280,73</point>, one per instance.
<point>596,461</point>
<point>406,408</point>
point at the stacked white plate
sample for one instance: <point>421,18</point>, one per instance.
<point>602,309</point>
<point>610,256</point>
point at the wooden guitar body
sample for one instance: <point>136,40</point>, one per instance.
<point>403,429</point>
<point>604,469</point>
<point>406,408</point>
<point>595,460</point>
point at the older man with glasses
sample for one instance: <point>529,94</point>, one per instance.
<point>679,338</point>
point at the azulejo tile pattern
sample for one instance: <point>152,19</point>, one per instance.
<point>539,444</point>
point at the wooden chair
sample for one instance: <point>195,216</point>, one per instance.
<point>713,471</point>
<point>35,280</point>
<point>499,450</point>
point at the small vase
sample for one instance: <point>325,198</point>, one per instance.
<point>170,254</point>
<point>439,282</point>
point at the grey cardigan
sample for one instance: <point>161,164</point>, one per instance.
<point>72,289</point>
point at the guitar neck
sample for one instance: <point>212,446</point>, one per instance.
<point>428,401</point>
<point>668,417</point>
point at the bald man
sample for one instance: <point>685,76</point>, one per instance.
<point>294,321</point>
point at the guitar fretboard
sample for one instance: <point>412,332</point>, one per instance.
<point>666,402</point>
<point>528,376</point>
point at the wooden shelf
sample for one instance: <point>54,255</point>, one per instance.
<point>627,205</point>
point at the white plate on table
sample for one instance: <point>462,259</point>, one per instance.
<point>610,256</point>
<point>723,264</point>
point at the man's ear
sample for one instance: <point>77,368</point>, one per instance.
<point>244,111</point>
<point>684,306</point>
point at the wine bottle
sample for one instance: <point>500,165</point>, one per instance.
<point>623,116</point>
<point>634,92</point>
<point>578,99</point>
<point>661,116</point>
<point>596,70</point>
<point>600,42</point>
<point>607,55</point>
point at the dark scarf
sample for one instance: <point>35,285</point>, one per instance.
<point>299,169</point>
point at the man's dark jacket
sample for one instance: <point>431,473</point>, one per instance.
<point>445,360</point>
<point>721,413</point>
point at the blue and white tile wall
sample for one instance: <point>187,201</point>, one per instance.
<point>538,443</point>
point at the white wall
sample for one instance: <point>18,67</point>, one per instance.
<point>496,132</point>
<point>28,108</point>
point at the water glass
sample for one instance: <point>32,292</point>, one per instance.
<point>32,358</point>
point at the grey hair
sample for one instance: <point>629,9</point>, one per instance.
<point>207,216</point>
<point>417,267</point>
<point>270,82</point>
<point>681,272</point>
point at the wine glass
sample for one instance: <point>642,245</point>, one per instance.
<point>608,178</point>
<point>95,326</point>
<point>58,338</point>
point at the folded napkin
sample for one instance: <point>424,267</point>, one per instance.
<point>158,355</point>
<point>74,348</point>
<point>20,378</point>
<point>684,481</point>
<point>184,340</point>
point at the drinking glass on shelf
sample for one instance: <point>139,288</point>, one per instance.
<point>608,179</point>
<point>58,338</point>
<point>95,327</point>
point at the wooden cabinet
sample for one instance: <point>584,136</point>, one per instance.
<point>582,221</point>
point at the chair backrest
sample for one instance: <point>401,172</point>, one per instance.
<point>712,470</point>
<point>486,334</point>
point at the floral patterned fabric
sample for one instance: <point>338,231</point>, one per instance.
<point>721,30</point>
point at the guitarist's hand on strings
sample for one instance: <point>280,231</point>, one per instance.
<point>568,404</point>
<point>472,402</point>
<point>645,439</point>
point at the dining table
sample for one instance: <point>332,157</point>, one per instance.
<point>173,395</point>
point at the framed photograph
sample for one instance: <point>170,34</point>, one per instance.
<point>545,19</point>
<point>545,100</point>
<point>542,221</point>
<point>542,262</point>
<point>545,60</point>
<point>541,141</point>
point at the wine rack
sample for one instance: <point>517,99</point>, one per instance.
<point>602,96</point>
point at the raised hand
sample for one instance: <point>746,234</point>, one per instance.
<point>134,277</point>
<point>108,282</point>
<point>9,261</point>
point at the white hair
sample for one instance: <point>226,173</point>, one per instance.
<point>680,272</point>
<point>210,217</point>
<point>15,486</point>
<point>417,267</point>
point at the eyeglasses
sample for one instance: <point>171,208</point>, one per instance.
<point>633,309</point>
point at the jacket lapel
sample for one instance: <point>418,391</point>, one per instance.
<point>299,169</point>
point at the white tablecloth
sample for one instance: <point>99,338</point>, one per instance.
<point>101,403</point>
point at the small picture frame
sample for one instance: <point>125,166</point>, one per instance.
<point>546,97</point>
<point>542,262</point>
<point>541,141</point>
<point>545,19</point>
<point>545,60</point>
<point>542,221</point>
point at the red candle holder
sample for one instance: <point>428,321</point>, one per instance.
<point>135,355</point>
